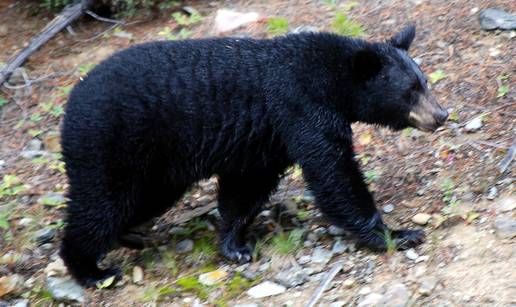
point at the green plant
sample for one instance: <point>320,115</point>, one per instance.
<point>186,20</point>
<point>502,91</point>
<point>205,248</point>
<point>390,243</point>
<point>156,294</point>
<point>436,76</point>
<point>285,244</point>
<point>277,25</point>
<point>191,283</point>
<point>343,25</point>
<point>168,34</point>
<point>10,186</point>
<point>3,101</point>
<point>370,176</point>
<point>86,68</point>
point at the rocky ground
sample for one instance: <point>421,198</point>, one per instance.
<point>449,182</point>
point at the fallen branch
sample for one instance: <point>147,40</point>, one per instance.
<point>69,14</point>
<point>324,284</point>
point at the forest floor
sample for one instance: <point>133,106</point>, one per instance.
<point>450,178</point>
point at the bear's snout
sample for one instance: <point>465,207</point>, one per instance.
<point>427,114</point>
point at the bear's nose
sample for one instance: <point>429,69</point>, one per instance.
<point>441,116</point>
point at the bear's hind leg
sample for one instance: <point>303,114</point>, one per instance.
<point>240,200</point>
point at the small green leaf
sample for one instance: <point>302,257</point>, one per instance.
<point>3,101</point>
<point>277,25</point>
<point>454,117</point>
<point>502,91</point>
<point>437,75</point>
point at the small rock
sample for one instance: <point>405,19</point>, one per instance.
<point>321,255</point>
<point>302,29</point>
<point>184,246</point>
<point>422,258</point>
<point>20,303</point>
<point>32,154</point>
<point>10,284</point>
<point>371,300</point>
<point>34,145</point>
<point>474,124</point>
<point>320,231</point>
<point>52,199</point>
<point>335,231</point>
<point>24,222</point>
<point>388,208</point>
<point>338,247</point>
<point>292,278</point>
<point>338,304</point>
<point>396,295</point>
<point>65,289</point>
<point>123,34</point>
<point>304,259</point>
<point>421,218</point>
<point>212,278</point>
<point>505,227</point>
<point>364,290</point>
<point>308,196</point>
<point>493,192</point>
<point>45,235</point>
<point>137,275</point>
<point>411,254</point>
<point>492,18</point>
<point>349,283</point>
<point>177,231</point>
<point>56,268</point>
<point>3,30</point>
<point>228,20</point>
<point>427,285</point>
<point>506,204</point>
<point>265,289</point>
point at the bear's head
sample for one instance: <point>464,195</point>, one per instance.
<point>392,89</point>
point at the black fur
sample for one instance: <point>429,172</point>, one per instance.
<point>155,118</point>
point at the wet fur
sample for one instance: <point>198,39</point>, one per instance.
<point>152,120</point>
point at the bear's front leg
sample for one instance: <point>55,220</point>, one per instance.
<point>341,194</point>
<point>241,196</point>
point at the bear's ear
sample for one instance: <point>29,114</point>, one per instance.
<point>403,39</point>
<point>365,64</point>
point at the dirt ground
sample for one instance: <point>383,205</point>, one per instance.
<point>452,175</point>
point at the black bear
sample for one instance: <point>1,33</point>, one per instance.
<point>151,120</point>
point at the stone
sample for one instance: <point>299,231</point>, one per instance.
<point>335,230</point>
<point>123,34</point>
<point>34,144</point>
<point>213,277</point>
<point>339,247</point>
<point>505,227</point>
<point>24,222</point>
<point>364,290</point>
<point>177,231</point>
<point>321,255</point>
<point>52,199</point>
<point>305,29</point>
<point>4,30</point>
<point>137,275</point>
<point>304,259</point>
<point>55,268</point>
<point>370,300</point>
<point>506,204</point>
<point>32,154</point>
<point>265,289</point>
<point>396,295</point>
<point>20,303</point>
<point>45,235</point>
<point>10,284</point>
<point>65,289</point>
<point>474,124</point>
<point>411,254</point>
<point>292,278</point>
<point>421,218</point>
<point>338,304</point>
<point>388,208</point>
<point>184,246</point>
<point>493,192</point>
<point>349,283</point>
<point>493,18</point>
<point>427,285</point>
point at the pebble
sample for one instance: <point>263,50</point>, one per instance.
<point>474,124</point>
<point>213,277</point>
<point>506,204</point>
<point>427,285</point>
<point>45,235</point>
<point>52,198</point>
<point>493,192</point>
<point>349,283</point>
<point>364,290</point>
<point>24,222</point>
<point>493,18</point>
<point>339,247</point>
<point>292,278</point>
<point>505,227</point>
<point>338,304</point>
<point>184,246</point>
<point>65,289</point>
<point>20,303</point>
<point>335,231</point>
<point>411,254</point>
<point>34,144</point>
<point>371,300</point>
<point>137,275</point>
<point>177,230</point>
<point>421,218</point>
<point>388,208</point>
<point>304,259</point>
<point>266,289</point>
<point>31,154</point>
<point>55,268</point>
<point>302,29</point>
<point>321,255</point>
<point>123,34</point>
<point>396,295</point>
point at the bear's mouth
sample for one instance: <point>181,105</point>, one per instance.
<point>427,115</point>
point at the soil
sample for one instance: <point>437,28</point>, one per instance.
<point>452,175</point>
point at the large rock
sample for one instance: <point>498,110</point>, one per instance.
<point>265,289</point>
<point>65,289</point>
<point>491,19</point>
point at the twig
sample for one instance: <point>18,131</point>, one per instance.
<point>489,144</point>
<point>69,14</point>
<point>104,19</point>
<point>324,284</point>
<point>29,82</point>
<point>504,164</point>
